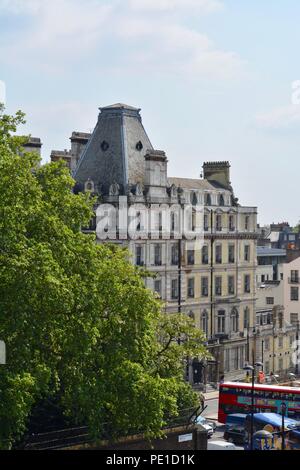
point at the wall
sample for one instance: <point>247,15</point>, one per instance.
<point>290,305</point>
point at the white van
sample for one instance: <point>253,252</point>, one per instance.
<point>220,445</point>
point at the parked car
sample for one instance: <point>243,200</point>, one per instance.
<point>208,425</point>
<point>235,428</point>
<point>220,445</point>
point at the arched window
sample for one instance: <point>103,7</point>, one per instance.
<point>204,322</point>
<point>173,220</point>
<point>194,199</point>
<point>221,200</point>
<point>138,221</point>
<point>207,199</point>
<point>221,321</point>
<point>234,320</point>
<point>191,315</point>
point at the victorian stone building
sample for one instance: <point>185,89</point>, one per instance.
<point>215,282</point>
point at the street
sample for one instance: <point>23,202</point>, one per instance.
<point>211,413</point>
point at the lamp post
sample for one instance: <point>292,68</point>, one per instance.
<point>252,369</point>
<point>297,350</point>
<point>283,411</point>
<point>2,353</point>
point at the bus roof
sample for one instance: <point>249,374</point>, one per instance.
<point>274,419</point>
<point>275,388</point>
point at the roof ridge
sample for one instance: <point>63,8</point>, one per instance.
<point>120,106</point>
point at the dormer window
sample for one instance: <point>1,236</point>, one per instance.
<point>139,146</point>
<point>89,186</point>
<point>221,200</point>
<point>104,146</point>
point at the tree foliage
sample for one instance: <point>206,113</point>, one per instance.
<point>75,315</point>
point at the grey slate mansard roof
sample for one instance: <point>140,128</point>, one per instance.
<point>113,153</point>
<point>195,184</point>
<point>266,251</point>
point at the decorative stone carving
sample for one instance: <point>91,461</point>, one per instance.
<point>139,189</point>
<point>89,186</point>
<point>173,191</point>
<point>114,189</point>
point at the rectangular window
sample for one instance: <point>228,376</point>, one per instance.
<point>247,222</point>
<point>231,285</point>
<point>292,339</point>
<point>267,368</point>
<point>174,255</point>
<point>246,318</point>
<point>204,286</point>
<point>205,254</point>
<point>294,293</point>
<point>295,276</point>
<point>227,360</point>
<point>235,358</point>
<point>191,257</point>
<point>218,285</point>
<point>157,255</point>
<point>221,322</point>
<point>231,254</point>
<point>247,253</point>
<point>280,341</point>
<point>280,364</point>
<point>191,287</point>
<point>219,223</point>
<point>206,222</point>
<point>174,289</point>
<point>247,288</point>
<point>231,223</point>
<point>242,357</point>
<point>218,254</point>
<point>294,318</point>
<point>157,286</point>
<point>139,256</point>
<point>267,344</point>
<point>270,300</point>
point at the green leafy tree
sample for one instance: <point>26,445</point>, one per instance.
<point>79,325</point>
<point>296,229</point>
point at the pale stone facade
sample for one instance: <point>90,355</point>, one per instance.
<point>215,283</point>
<point>277,311</point>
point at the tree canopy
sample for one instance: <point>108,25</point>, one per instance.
<point>77,320</point>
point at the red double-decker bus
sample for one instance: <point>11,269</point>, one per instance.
<point>235,397</point>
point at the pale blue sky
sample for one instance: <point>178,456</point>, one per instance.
<point>213,79</point>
